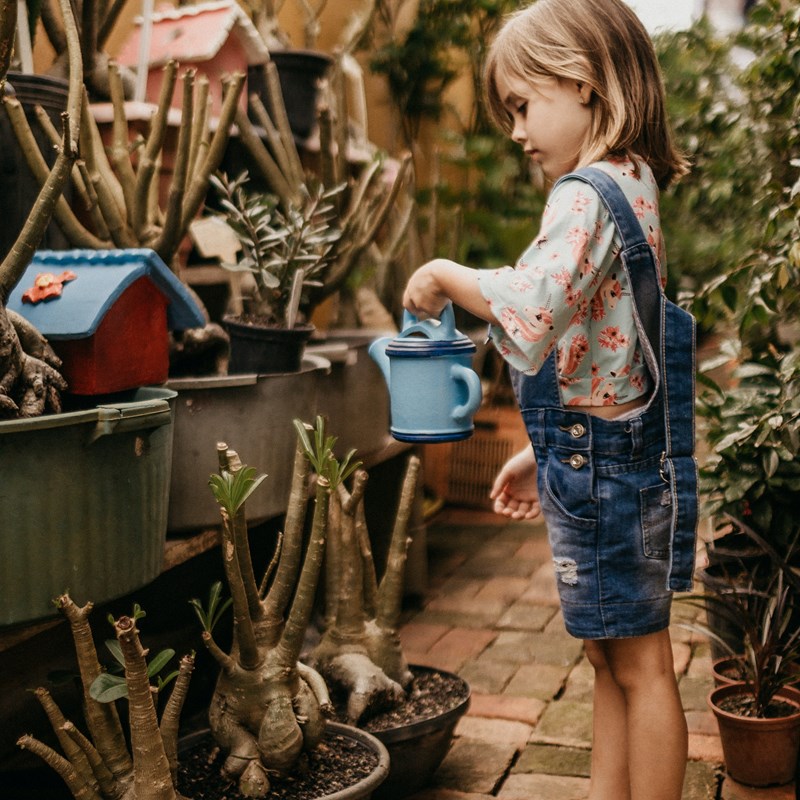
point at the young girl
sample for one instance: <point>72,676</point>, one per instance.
<point>602,366</point>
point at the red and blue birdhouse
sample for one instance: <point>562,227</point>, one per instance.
<point>107,315</point>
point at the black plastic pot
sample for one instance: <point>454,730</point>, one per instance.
<point>20,187</point>
<point>416,750</point>
<point>261,350</point>
<point>300,72</point>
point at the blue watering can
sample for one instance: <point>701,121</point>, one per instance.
<point>433,390</point>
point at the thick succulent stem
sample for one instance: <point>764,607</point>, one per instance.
<point>101,718</point>
<point>103,781</point>
<point>120,154</point>
<point>152,778</point>
<point>149,157</point>
<point>80,790</point>
<point>280,593</point>
<point>350,616</point>
<point>390,593</point>
<point>72,751</point>
<point>292,640</point>
<point>170,232</point>
<point>198,185</point>
<point>18,258</point>
<point>170,718</point>
<point>244,632</point>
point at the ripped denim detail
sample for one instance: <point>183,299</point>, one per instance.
<point>567,570</point>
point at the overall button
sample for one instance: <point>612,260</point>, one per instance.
<point>577,430</point>
<point>576,460</point>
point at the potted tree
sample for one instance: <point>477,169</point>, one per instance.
<point>268,711</point>
<point>284,251</point>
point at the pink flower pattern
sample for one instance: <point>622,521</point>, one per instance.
<point>569,290</point>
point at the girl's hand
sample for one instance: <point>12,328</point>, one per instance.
<point>440,280</point>
<point>424,295</point>
<point>514,492</point>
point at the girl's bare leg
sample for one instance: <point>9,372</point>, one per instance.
<point>609,777</point>
<point>657,739</point>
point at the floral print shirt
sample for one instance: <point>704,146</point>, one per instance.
<point>570,291</point>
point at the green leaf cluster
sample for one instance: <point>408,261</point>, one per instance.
<point>231,489</point>
<point>709,218</point>
<point>753,430</point>
<point>318,448</point>
<point>210,616</point>
<point>111,685</point>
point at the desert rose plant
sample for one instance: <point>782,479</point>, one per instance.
<point>268,708</point>
<point>101,766</point>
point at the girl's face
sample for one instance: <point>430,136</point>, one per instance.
<point>551,119</point>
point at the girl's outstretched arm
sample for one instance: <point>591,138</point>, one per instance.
<point>514,492</point>
<point>440,280</point>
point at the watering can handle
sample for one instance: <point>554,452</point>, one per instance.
<point>447,330</point>
<point>473,384</point>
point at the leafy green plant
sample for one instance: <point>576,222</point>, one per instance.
<point>709,218</point>
<point>285,250</point>
<point>771,651</point>
<point>753,430</point>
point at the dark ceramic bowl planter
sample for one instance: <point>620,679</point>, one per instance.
<point>265,349</point>
<point>300,73</point>
<point>418,748</point>
<point>362,789</point>
<point>758,751</point>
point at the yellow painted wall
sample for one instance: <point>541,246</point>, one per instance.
<point>383,128</point>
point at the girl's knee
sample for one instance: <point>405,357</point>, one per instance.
<point>641,660</point>
<point>595,654</point>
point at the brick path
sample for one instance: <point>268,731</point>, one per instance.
<point>491,615</point>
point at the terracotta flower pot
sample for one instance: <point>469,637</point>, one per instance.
<point>758,751</point>
<point>725,670</point>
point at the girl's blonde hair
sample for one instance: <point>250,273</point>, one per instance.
<point>601,44</point>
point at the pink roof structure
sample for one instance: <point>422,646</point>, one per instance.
<point>216,39</point>
<point>196,33</point>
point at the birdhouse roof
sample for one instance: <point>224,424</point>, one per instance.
<point>101,276</point>
<point>195,33</point>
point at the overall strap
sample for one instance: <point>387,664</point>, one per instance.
<point>637,257</point>
<point>662,323</point>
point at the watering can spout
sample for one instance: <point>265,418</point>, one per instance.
<point>377,351</point>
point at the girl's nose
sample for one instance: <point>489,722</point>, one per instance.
<point>518,134</point>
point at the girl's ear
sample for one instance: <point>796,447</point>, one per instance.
<point>584,93</point>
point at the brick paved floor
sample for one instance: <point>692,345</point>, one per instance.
<point>491,615</point>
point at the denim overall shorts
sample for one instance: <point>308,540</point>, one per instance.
<point>619,497</point>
